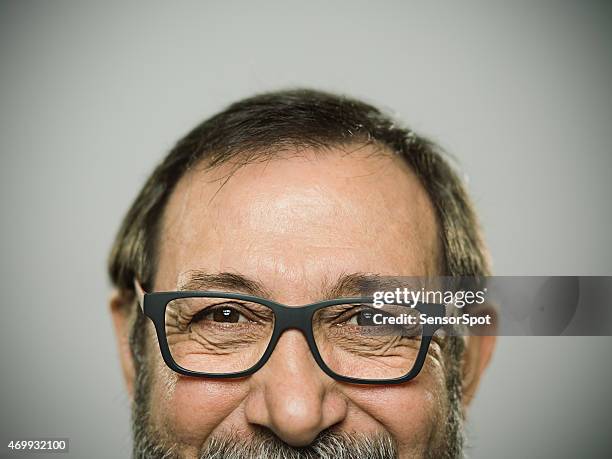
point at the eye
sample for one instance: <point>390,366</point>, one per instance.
<point>223,313</point>
<point>362,318</point>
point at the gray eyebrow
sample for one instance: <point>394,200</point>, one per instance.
<point>347,285</point>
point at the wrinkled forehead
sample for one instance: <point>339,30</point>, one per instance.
<point>294,216</point>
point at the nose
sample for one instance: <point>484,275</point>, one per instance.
<point>292,396</point>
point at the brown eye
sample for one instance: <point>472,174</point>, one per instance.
<point>222,313</point>
<point>227,315</point>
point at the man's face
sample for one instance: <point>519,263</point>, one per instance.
<point>296,225</point>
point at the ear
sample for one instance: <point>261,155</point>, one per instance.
<point>122,312</point>
<point>478,352</point>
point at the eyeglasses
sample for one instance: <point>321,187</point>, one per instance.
<point>229,335</point>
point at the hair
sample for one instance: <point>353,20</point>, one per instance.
<point>258,127</point>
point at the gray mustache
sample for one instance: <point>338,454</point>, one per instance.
<point>329,445</point>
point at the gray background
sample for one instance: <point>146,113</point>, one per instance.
<point>93,94</point>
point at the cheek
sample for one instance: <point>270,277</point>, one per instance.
<point>413,413</point>
<point>188,410</point>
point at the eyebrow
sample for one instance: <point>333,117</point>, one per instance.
<point>201,280</point>
<point>347,285</point>
<point>360,284</point>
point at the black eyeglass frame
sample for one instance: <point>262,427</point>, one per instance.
<point>285,318</point>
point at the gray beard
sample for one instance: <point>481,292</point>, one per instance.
<point>263,444</point>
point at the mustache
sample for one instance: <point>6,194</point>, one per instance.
<point>328,445</point>
<point>263,444</point>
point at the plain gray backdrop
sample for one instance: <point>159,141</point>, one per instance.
<point>94,93</point>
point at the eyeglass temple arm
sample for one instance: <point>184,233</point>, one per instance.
<point>140,293</point>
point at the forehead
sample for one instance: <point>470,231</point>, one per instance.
<point>301,219</point>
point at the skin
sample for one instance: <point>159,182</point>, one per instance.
<point>295,224</point>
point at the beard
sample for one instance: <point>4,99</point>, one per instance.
<point>149,443</point>
<point>263,444</point>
